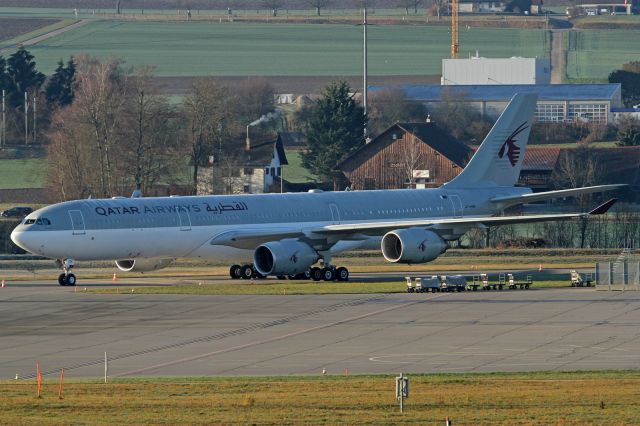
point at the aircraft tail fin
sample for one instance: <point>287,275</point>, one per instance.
<point>499,158</point>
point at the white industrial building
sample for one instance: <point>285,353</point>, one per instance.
<point>591,103</point>
<point>477,70</point>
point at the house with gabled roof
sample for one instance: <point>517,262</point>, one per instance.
<point>255,168</point>
<point>406,155</point>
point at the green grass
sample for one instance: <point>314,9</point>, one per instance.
<point>292,288</point>
<point>541,398</point>
<point>593,54</point>
<point>23,174</point>
<point>294,172</point>
<point>211,48</point>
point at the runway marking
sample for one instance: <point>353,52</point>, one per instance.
<point>272,339</point>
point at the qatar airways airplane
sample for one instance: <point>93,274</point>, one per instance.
<point>287,234</point>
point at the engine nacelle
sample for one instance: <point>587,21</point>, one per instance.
<point>286,257</point>
<point>142,265</point>
<point>412,245</point>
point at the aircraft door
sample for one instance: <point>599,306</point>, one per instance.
<point>184,219</point>
<point>335,214</point>
<point>458,211</point>
<point>77,222</point>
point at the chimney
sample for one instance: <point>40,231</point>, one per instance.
<point>247,145</point>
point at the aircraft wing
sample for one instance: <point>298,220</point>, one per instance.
<point>512,200</point>
<point>376,228</point>
<point>252,238</point>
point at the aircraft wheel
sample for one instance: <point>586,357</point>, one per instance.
<point>316,273</point>
<point>246,272</point>
<point>328,274</point>
<point>61,279</point>
<point>70,280</point>
<point>342,274</point>
<point>235,272</point>
<point>282,277</point>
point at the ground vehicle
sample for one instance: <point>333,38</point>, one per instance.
<point>19,211</point>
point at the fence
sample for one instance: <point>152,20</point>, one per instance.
<point>618,275</point>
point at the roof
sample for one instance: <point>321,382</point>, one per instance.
<point>261,153</point>
<point>540,158</point>
<point>504,92</point>
<point>429,133</point>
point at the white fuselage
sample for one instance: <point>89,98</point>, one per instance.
<point>171,227</point>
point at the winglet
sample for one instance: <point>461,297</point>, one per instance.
<point>603,208</point>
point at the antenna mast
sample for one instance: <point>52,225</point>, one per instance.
<point>455,44</point>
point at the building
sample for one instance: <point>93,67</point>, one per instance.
<point>610,7</point>
<point>556,102</point>
<point>406,155</point>
<point>476,6</point>
<point>255,169</point>
<point>421,155</point>
<point>496,71</point>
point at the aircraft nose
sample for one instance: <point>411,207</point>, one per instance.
<point>20,239</point>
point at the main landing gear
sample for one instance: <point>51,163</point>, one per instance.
<point>328,273</point>
<point>245,272</point>
<point>67,278</point>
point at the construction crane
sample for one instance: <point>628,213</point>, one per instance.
<point>455,44</point>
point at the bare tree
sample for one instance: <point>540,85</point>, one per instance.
<point>100,99</point>
<point>118,6</point>
<point>411,159</point>
<point>273,5</point>
<point>254,97</point>
<point>389,106</point>
<point>577,168</point>
<point>206,110</point>
<point>406,4</point>
<point>318,4</point>
<point>149,138</point>
<point>73,171</point>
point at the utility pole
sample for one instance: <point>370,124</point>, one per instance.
<point>3,134</point>
<point>364,90</point>
<point>33,140</point>
<point>26,119</point>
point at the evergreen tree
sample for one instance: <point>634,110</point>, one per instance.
<point>59,89</point>
<point>335,129</point>
<point>23,76</point>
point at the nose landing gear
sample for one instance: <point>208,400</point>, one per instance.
<point>67,278</point>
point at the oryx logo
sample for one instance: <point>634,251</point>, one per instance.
<point>513,150</point>
<point>294,258</point>
<point>423,246</point>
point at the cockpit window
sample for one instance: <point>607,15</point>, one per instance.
<point>38,221</point>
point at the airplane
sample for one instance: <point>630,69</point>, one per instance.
<point>287,234</point>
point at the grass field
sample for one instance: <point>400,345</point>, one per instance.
<point>23,173</point>
<point>294,171</point>
<point>547,398</point>
<point>206,48</point>
<point>594,54</point>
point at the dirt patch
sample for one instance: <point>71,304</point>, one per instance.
<point>13,27</point>
<point>296,84</point>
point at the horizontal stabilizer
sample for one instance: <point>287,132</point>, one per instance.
<point>603,208</point>
<point>511,200</point>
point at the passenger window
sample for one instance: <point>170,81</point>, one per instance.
<point>46,221</point>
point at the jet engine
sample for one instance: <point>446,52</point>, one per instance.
<point>412,245</point>
<point>285,257</point>
<point>142,265</point>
